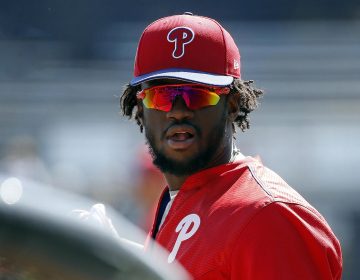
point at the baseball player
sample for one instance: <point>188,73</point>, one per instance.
<point>223,215</point>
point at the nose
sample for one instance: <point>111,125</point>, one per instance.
<point>180,110</point>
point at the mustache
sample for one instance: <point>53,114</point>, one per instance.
<point>182,122</point>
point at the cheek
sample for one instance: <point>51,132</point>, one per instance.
<point>152,122</point>
<point>214,118</point>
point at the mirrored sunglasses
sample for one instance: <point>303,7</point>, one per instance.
<point>195,96</point>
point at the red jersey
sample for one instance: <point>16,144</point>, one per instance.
<point>242,221</point>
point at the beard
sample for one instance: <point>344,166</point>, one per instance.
<point>195,163</point>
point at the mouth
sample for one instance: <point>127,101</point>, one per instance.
<point>180,137</point>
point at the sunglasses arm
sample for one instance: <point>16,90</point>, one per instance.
<point>140,95</point>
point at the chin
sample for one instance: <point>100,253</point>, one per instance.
<point>182,155</point>
<point>180,163</point>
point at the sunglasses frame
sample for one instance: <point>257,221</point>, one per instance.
<point>213,89</point>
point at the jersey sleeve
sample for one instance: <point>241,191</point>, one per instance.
<point>286,241</point>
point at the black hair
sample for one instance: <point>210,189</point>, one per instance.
<point>247,97</point>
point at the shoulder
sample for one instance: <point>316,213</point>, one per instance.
<point>265,192</point>
<point>262,200</point>
<point>275,188</point>
<point>252,184</point>
<point>287,239</point>
<point>281,218</point>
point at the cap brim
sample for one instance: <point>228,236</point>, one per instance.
<point>186,75</point>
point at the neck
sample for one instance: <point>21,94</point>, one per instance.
<point>227,155</point>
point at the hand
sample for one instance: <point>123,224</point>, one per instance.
<point>97,216</point>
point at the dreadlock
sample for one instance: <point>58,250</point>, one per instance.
<point>246,95</point>
<point>248,100</point>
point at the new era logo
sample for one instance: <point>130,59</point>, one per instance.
<point>236,64</point>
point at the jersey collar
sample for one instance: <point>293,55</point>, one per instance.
<point>202,177</point>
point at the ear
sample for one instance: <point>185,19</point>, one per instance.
<point>233,106</point>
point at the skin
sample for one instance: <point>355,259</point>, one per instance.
<point>206,119</point>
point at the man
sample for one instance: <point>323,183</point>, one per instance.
<point>223,215</point>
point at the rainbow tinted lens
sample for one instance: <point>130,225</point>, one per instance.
<point>195,96</point>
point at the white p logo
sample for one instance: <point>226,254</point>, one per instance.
<point>180,36</point>
<point>185,233</point>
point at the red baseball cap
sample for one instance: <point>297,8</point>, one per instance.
<point>187,47</point>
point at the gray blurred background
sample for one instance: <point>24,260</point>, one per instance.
<point>63,65</point>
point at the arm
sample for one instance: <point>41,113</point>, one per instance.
<point>286,241</point>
